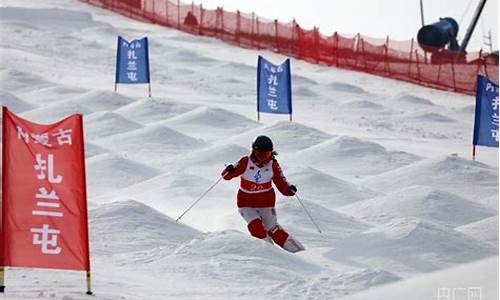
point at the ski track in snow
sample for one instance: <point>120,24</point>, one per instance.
<point>383,166</point>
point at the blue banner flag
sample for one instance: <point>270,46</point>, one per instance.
<point>132,61</point>
<point>486,115</point>
<point>274,87</point>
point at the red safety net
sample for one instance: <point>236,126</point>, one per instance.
<point>402,60</point>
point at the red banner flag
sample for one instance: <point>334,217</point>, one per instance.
<point>44,201</point>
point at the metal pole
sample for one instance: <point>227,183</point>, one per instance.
<point>472,25</point>
<point>277,45</point>
<point>200,24</point>
<point>238,27</point>
<point>258,33</point>
<point>154,13</point>
<point>418,65</point>
<point>489,41</point>
<point>422,12</point>
<point>411,55</point>
<point>222,23</point>
<point>178,14</point>
<point>197,200</point>
<point>307,212</point>
<point>387,64</point>
<point>166,11</point>
<point>336,41</point>
<point>253,33</point>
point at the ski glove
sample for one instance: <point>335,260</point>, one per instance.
<point>292,189</point>
<point>230,169</point>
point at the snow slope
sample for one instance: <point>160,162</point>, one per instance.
<point>478,279</point>
<point>421,202</point>
<point>353,156</point>
<point>383,166</point>
<point>485,230</point>
<point>454,174</point>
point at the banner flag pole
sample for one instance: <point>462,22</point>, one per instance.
<point>89,290</point>
<point>2,279</point>
<point>117,68</point>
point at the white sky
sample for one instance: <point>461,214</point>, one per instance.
<point>400,19</point>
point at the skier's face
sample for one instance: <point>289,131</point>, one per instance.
<point>262,155</point>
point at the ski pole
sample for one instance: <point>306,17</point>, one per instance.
<point>308,214</point>
<point>197,200</point>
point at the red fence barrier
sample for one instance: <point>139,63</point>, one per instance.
<point>394,59</point>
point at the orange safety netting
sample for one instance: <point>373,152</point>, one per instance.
<point>394,59</point>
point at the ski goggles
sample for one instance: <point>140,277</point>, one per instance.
<point>262,154</point>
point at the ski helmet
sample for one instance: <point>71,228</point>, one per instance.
<point>263,143</point>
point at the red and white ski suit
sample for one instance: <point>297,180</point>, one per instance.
<point>256,199</point>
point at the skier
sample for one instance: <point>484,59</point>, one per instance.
<point>256,197</point>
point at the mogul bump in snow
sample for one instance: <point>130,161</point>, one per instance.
<point>256,197</point>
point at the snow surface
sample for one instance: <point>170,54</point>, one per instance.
<point>383,166</point>
<point>485,230</point>
<point>456,282</point>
